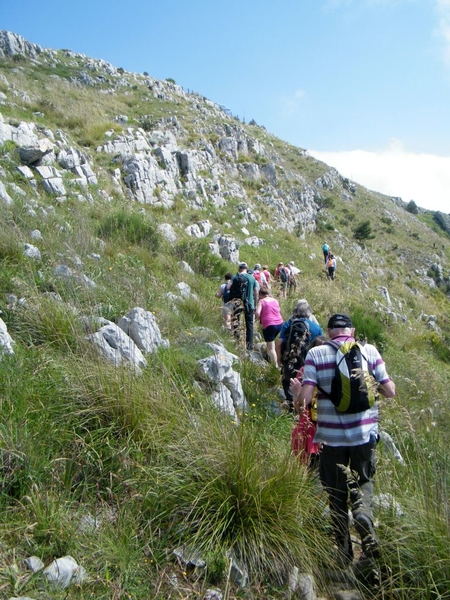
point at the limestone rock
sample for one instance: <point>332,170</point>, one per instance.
<point>140,325</point>
<point>117,347</point>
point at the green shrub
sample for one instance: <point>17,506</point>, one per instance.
<point>326,202</point>
<point>199,257</point>
<point>440,345</point>
<point>323,227</point>
<point>133,228</point>
<point>368,327</point>
<point>363,231</point>
<point>412,207</point>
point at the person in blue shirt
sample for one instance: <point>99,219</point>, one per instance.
<point>326,251</point>
<point>302,310</point>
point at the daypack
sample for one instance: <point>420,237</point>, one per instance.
<point>283,274</point>
<point>293,351</point>
<point>239,287</point>
<point>257,276</point>
<point>353,388</point>
<point>226,294</point>
<point>330,262</point>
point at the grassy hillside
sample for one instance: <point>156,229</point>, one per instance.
<point>119,470</point>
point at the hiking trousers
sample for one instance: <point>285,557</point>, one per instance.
<point>354,485</point>
<point>249,316</point>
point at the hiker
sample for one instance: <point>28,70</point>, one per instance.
<point>269,314</point>
<point>267,275</point>
<point>294,270</point>
<point>292,278</point>
<point>311,317</point>
<point>302,437</point>
<point>259,275</point>
<point>281,275</point>
<point>348,440</point>
<point>227,308</point>
<point>331,266</point>
<point>290,353</point>
<point>244,294</point>
<point>326,251</point>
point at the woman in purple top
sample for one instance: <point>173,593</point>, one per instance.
<point>268,312</point>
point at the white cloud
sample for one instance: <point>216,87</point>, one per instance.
<point>290,105</point>
<point>424,178</point>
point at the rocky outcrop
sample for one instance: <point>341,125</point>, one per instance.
<point>12,44</point>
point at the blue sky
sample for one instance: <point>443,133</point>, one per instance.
<point>362,84</point>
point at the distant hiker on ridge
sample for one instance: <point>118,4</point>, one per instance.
<point>326,251</point>
<point>331,266</point>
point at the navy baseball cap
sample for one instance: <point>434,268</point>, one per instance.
<point>339,321</point>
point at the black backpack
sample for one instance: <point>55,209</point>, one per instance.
<point>283,274</point>
<point>293,351</point>
<point>239,287</point>
<point>354,387</point>
<point>226,296</point>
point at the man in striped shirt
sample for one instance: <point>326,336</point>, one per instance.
<point>348,440</point>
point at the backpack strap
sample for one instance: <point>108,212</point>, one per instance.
<point>336,347</point>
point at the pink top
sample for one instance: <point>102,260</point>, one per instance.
<point>270,312</point>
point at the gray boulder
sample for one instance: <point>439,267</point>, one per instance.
<point>228,248</point>
<point>219,368</point>
<point>31,155</point>
<point>140,325</point>
<point>117,347</point>
<point>64,571</point>
<point>31,251</point>
<point>4,196</point>
<point>6,340</point>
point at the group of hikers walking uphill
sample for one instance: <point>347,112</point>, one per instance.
<point>331,385</point>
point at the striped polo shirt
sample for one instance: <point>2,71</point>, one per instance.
<point>335,428</point>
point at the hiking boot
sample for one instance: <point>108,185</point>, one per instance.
<point>368,572</point>
<point>288,407</point>
<point>371,548</point>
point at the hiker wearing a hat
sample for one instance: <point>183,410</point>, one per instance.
<point>294,270</point>
<point>292,279</point>
<point>348,440</point>
<point>244,291</point>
